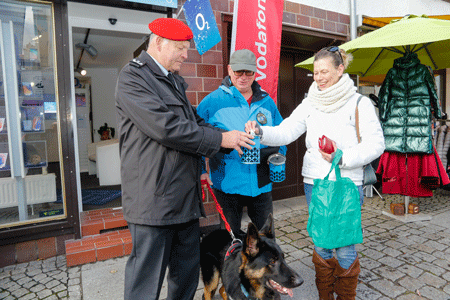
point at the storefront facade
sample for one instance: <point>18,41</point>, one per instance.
<point>39,172</point>
<point>41,130</point>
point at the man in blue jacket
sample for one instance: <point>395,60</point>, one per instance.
<point>238,100</point>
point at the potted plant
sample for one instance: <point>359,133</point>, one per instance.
<point>106,132</point>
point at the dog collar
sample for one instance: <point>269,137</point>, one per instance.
<point>244,291</point>
<point>237,244</point>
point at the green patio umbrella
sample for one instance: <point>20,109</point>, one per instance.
<point>374,52</point>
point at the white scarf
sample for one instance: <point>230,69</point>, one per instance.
<point>334,97</point>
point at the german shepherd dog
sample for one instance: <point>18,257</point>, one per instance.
<point>252,269</point>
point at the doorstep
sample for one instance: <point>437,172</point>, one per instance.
<point>104,235</point>
<point>98,247</point>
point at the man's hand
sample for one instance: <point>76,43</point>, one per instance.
<point>205,176</point>
<point>236,139</point>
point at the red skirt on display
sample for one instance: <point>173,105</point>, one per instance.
<point>411,174</point>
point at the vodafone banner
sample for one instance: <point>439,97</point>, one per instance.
<point>257,27</point>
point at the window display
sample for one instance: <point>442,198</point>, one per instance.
<point>29,183</point>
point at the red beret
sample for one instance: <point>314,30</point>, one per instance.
<point>172,29</point>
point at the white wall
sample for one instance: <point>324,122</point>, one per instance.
<point>383,8</point>
<point>400,8</point>
<point>96,16</point>
<point>103,85</point>
<point>447,88</point>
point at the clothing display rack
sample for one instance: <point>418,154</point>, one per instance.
<point>408,217</point>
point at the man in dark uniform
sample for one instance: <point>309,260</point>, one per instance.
<point>162,140</point>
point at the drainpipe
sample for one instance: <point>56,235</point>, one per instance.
<point>353,23</point>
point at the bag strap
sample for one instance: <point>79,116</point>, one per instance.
<point>357,119</point>
<point>334,165</point>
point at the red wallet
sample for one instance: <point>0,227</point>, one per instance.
<point>326,145</point>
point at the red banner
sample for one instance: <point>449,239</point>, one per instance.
<point>257,27</point>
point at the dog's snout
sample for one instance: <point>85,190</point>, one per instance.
<point>296,280</point>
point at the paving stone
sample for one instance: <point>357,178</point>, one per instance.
<point>52,284</point>
<point>34,272</point>
<point>19,292</point>
<point>373,254</point>
<point>365,293</point>
<point>424,256</point>
<point>387,288</point>
<point>28,296</point>
<point>432,268</point>
<point>59,288</point>
<point>375,246</point>
<point>368,263</point>
<point>415,236</point>
<point>29,284</point>
<point>432,280</point>
<point>388,272</point>
<point>410,296</point>
<point>410,270</point>
<point>391,262</point>
<point>24,280</point>
<point>62,294</point>
<point>288,248</point>
<point>411,284</point>
<point>367,276</point>
<point>433,293</point>
<point>37,288</point>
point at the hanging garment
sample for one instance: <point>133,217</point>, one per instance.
<point>440,140</point>
<point>435,134</point>
<point>408,99</point>
<point>445,148</point>
<point>415,175</point>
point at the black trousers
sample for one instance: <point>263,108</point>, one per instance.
<point>258,209</point>
<point>154,249</point>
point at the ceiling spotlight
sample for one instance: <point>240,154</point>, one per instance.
<point>89,48</point>
<point>81,71</point>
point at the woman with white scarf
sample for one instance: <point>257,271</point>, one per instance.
<point>329,110</point>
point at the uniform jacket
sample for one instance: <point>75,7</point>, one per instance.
<point>407,99</point>
<point>162,140</point>
<point>227,108</point>
<point>338,126</point>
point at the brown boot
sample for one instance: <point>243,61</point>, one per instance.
<point>347,280</point>
<point>324,276</point>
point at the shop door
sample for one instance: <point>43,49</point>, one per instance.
<point>293,84</point>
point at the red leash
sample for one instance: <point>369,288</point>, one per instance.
<point>219,209</point>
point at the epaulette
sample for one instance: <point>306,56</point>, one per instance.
<point>136,63</point>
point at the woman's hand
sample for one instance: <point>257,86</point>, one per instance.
<point>251,126</point>
<point>329,157</point>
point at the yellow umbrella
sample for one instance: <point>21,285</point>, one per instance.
<point>374,52</point>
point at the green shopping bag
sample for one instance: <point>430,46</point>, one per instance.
<point>335,212</point>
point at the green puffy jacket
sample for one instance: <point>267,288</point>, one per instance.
<point>407,101</point>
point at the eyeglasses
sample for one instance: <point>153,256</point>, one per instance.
<point>335,49</point>
<point>241,72</point>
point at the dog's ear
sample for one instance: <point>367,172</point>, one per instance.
<point>252,240</point>
<point>268,229</point>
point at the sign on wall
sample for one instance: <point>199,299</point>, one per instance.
<point>257,26</point>
<point>165,3</point>
<point>200,18</point>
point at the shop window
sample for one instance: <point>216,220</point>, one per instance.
<point>30,168</point>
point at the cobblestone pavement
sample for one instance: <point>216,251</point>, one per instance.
<point>399,260</point>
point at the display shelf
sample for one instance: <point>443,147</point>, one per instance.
<point>32,117</point>
<point>5,164</point>
<point>3,123</point>
<point>35,154</point>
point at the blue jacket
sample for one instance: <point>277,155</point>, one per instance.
<point>226,108</point>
